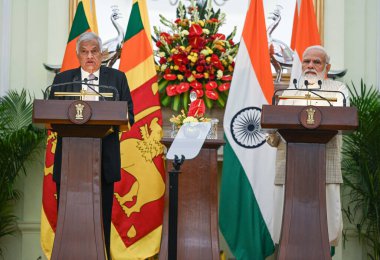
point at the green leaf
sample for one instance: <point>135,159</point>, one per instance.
<point>208,102</point>
<point>185,101</point>
<point>361,168</point>
<point>165,100</point>
<point>162,84</point>
<point>19,140</point>
<point>176,103</point>
<point>221,101</point>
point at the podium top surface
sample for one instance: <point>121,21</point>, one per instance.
<point>288,117</point>
<point>103,112</point>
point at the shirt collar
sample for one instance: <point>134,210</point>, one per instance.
<point>85,74</point>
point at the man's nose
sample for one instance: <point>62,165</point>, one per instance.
<point>310,64</point>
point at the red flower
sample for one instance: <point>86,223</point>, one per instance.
<point>197,42</point>
<point>199,92</point>
<point>170,76</point>
<point>213,20</point>
<point>171,90</point>
<point>216,62</point>
<point>200,68</point>
<point>211,94</point>
<point>220,36</point>
<point>196,85</point>
<point>162,60</point>
<point>183,87</point>
<point>211,85</point>
<point>226,77</point>
<point>195,29</point>
<point>224,86</point>
<point>180,59</point>
<point>188,73</point>
<point>182,68</point>
<point>158,44</point>
<point>166,37</point>
<point>198,76</point>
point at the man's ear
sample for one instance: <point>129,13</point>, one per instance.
<point>327,69</point>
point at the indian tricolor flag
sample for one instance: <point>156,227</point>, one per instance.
<point>137,213</point>
<point>307,35</point>
<point>294,31</point>
<point>84,20</point>
<point>247,189</point>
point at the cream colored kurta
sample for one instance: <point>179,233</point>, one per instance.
<point>333,160</point>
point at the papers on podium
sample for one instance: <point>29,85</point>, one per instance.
<point>189,140</point>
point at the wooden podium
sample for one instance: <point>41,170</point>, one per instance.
<point>306,129</point>
<point>197,234</point>
<point>82,124</point>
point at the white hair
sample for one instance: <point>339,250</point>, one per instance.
<point>318,47</point>
<point>88,36</point>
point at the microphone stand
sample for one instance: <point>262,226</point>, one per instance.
<point>89,85</point>
<point>311,91</point>
<point>173,206</point>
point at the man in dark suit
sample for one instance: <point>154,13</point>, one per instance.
<point>88,50</point>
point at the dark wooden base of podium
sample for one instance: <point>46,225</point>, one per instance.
<point>79,233</point>
<point>197,234</point>
<point>304,233</point>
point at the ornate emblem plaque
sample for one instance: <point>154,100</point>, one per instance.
<point>310,117</point>
<point>79,112</point>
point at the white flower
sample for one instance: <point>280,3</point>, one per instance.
<point>185,32</point>
<point>190,119</point>
<point>161,54</point>
<point>206,31</point>
<point>219,74</point>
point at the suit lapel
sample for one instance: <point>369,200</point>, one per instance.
<point>104,80</point>
<point>77,76</point>
<point>103,76</point>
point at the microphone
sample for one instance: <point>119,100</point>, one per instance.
<point>46,92</point>
<point>331,91</point>
<point>336,91</point>
<point>275,92</point>
<point>114,90</point>
<point>90,86</point>
<point>295,83</point>
<point>312,91</point>
<point>320,84</point>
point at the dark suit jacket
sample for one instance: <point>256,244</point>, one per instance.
<point>110,143</point>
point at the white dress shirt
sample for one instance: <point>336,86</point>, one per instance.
<point>85,75</point>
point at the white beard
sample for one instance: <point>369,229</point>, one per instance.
<point>312,79</point>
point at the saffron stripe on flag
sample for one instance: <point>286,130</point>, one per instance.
<point>307,35</point>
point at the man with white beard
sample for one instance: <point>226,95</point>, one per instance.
<point>315,66</point>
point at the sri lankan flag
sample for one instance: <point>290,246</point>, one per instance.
<point>137,212</point>
<point>84,20</point>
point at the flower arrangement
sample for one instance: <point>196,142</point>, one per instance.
<point>193,56</point>
<point>182,118</point>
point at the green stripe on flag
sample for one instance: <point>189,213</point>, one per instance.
<point>246,232</point>
<point>80,23</point>
<point>135,24</point>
